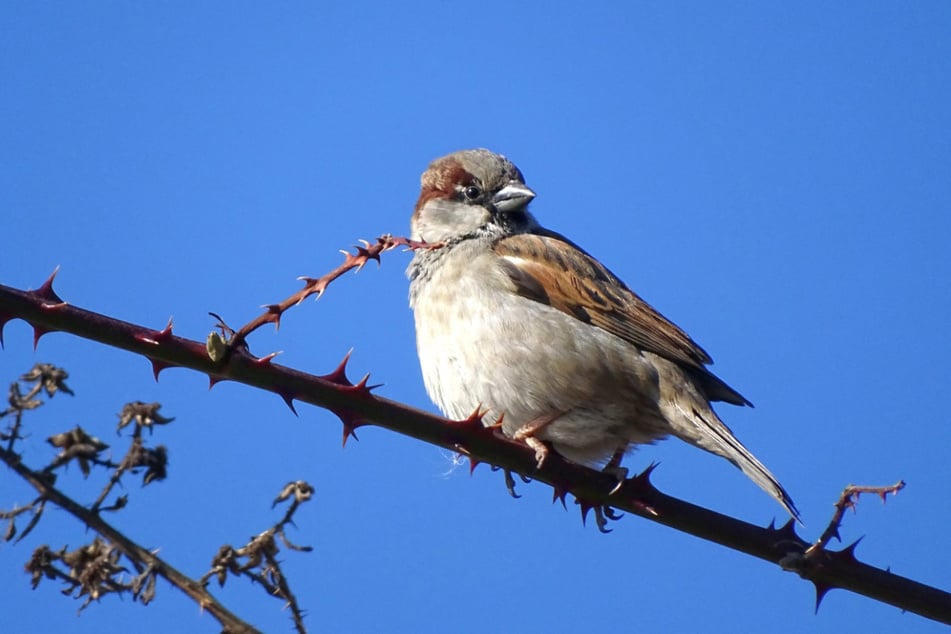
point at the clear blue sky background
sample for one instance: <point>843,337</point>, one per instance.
<point>773,178</point>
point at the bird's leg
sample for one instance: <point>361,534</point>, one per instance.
<point>613,467</point>
<point>527,433</point>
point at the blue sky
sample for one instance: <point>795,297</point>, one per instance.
<point>774,178</point>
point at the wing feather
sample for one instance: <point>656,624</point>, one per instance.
<point>548,268</point>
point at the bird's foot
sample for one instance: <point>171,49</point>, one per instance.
<point>614,468</point>
<point>527,434</point>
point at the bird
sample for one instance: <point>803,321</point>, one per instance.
<point>518,320</point>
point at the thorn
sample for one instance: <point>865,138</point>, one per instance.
<point>585,507</point>
<point>213,381</point>
<point>308,283</point>
<point>266,359</point>
<point>364,254</point>
<point>339,375</point>
<point>848,553</point>
<point>350,423</point>
<point>275,312</point>
<point>821,591</point>
<point>788,530</point>
<point>473,463</point>
<point>349,431</point>
<point>38,331</point>
<point>362,386</point>
<point>4,318</point>
<point>639,485</point>
<point>289,401</point>
<point>559,493</point>
<point>155,337</point>
<point>46,291</point>
<point>498,422</point>
<point>474,419</point>
<point>158,366</point>
<point>644,477</point>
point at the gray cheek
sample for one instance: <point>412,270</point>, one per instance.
<point>440,220</point>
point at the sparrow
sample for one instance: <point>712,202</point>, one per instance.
<point>519,321</point>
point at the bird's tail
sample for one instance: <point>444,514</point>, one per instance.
<point>710,433</point>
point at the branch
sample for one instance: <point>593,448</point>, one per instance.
<point>848,500</point>
<point>229,621</point>
<point>356,406</point>
<point>317,286</point>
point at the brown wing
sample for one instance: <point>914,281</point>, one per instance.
<point>536,264</point>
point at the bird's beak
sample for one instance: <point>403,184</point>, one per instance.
<point>512,197</point>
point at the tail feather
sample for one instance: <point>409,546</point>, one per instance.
<point>710,433</point>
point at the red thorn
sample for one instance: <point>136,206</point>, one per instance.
<point>4,318</point>
<point>350,423</point>
<point>289,400</point>
<point>821,591</point>
<point>156,337</point>
<point>362,388</point>
<point>559,493</point>
<point>474,419</point>
<point>274,315</point>
<point>38,331</point>
<point>158,366</point>
<point>498,422</point>
<point>348,431</point>
<point>266,359</point>
<point>213,381</point>
<point>364,254</point>
<point>46,291</point>
<point>473,463</point>
<point>339,375</point>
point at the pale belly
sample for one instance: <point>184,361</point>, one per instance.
<point>481,345</point>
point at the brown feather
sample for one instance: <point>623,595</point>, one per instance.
<point>548,268</point>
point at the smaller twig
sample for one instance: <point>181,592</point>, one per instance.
<point>133,551</point>
<point>36,507</point>
<point>43,376</point>
<point>849,499</point>
<point>317,286</point>
<point>79,446</point>
<point>142,416</point>
<point>260,555</point>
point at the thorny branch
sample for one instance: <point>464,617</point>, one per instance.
<point>849,499</point>
<point>317,286</point>
<point>356,406</point>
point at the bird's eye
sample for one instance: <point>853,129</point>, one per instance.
<point>472,192</point>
